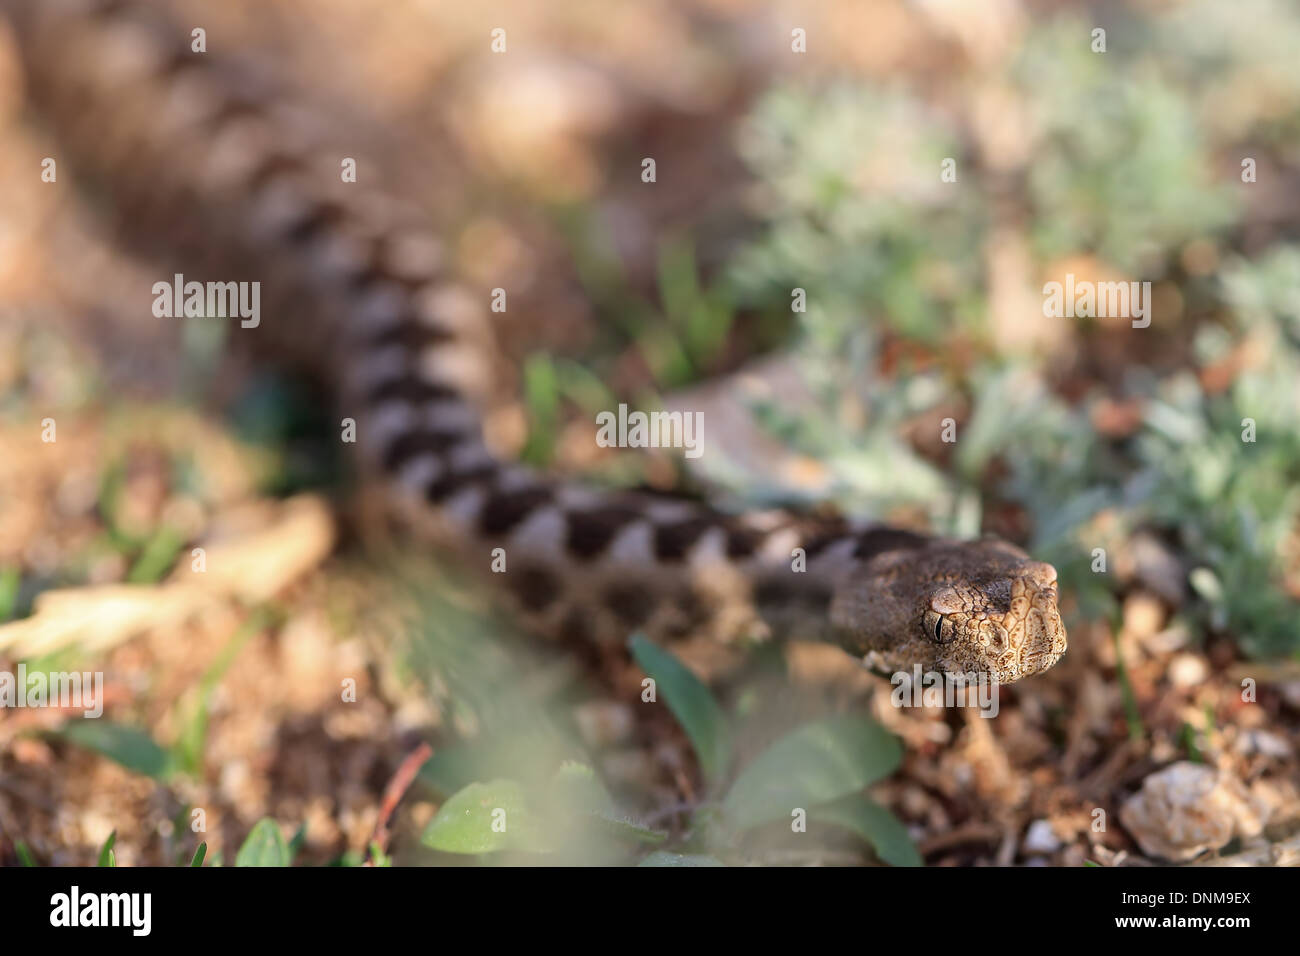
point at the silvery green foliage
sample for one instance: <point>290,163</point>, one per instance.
<point>1219,51</point>
<point>1230,507</point>
<point>1134,155</point>
<point>857,214</point>
<point>1120,166</point>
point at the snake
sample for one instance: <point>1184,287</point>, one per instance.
<point>219,172</point>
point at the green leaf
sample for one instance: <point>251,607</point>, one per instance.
<point>664,858</point>
<point>9,582</point>
<point>264,846</point>
<point>576,789</point>
<point>622,828</point>
<point>814,765</point>
<point>24,854</point>
<point>297,842</point>
<point>106,857</point>
<point>1132,713</point>
<point>690,702</point>
<point>191,711</point>
<point>529,754</point>
<point>187,751</point>
<point>451,769</point>
<point>199,854</point>
<point>128,746</point>
<point>464,824</point>
<point>577,796</point>
<point>542,403</point>
<point>157,558</point>
<point>887,836</point>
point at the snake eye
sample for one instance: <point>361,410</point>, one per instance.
<point>938,628</point>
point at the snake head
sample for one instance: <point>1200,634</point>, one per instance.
<point>975,606</point>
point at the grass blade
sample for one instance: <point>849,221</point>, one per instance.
<point>690,702</point>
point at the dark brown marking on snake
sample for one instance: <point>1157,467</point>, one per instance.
<point>818,539</point>
<point>411,334</point>
<point>447,485</point>
<point>591,531</point>
<point>415,442</point>
<point>781,591</point>
<point>108,8</point>
<point>374,321</point>
<point>673,541</point>
<point>176,61</point>
<point>272,164</point>
<point>367,277</point>
<point>409,387</point>
<point>535,588</point>
<point>576,626</point>
<point>505,509</point>
<point>774,591</point>
<point>742,542</point>
<point>879,540</point>
<point>997,593</point>
<point>690,613</point>
<point>233,107</point>
<point>631,602</point>
<point>314,221</point>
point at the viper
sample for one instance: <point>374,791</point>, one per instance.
<point>223,176</point>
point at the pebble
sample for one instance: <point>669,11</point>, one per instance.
<point>1144,615</point>
<point>1263,742</point>
<point>1187,670</point>
<point>1188,808</point>
<point>1291,693</point>
<point>1040,838</point>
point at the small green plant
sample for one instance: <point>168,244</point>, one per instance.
<point>264,846</point>
<point>106,857</point>
<point>10,579</point>
<point>107,853</point>
<point>815,775</point>
<point>136,750</point>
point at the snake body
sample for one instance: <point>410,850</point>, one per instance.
<point>217,175</point>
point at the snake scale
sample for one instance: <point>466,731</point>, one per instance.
<point>218,177</point>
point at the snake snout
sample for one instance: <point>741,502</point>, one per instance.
<point>1044,639</point>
